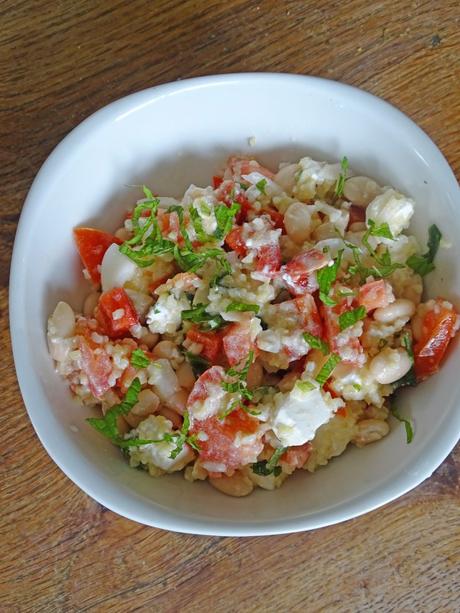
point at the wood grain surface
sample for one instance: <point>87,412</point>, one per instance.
<point>60,60</point>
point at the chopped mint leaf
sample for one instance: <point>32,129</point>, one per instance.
<point>423,264</point>
<point>316,343</point>
<point>139,359</point>
<point>349,318</point>
<point>261,185</point>
<point>305,386</point>
<point>268,467</point>
<point>410,377</point>
<point>242,306</point>
<point>239,386</point>
<point>327,369</point>
<point>199,315</point>
<point>225,216</point>
<point>326,277</point>
<point>340,184</point>
<point>357,387</point>
<point>407,424</point>
<point>198,225</point>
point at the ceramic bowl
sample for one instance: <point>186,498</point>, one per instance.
<point>168,137</point>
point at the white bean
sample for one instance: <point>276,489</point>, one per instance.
<point>357,226</point>
<point>178,401</point>
<point>172,415</point>
<point>166,349</point>
<point>370,430</point>
<point>361,190</point>
<point>325,231</point>
<point>150,339</point>
<point>123,234</point>
<point>90,303</point>
<point>399,309</point>
<point>185,376</point>
<point>297,221</point>
<point>390,365</point>
<point>288,381</point>
<point>62,322</point>
<point>236,485</point>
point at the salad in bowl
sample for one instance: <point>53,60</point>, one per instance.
<point>254,327</point>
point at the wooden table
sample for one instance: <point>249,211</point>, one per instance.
<point>60,551</point>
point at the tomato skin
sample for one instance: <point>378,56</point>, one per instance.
<point>277,218</point>
<point>237,342</point>
<point>245,207</point>
<point>112,301</point>
<point>438,329</point>
<point>211,341</point>
<point>297,274</point>
<point>296,456</point>
<point>268,259</point>
<point>92,245</point>
<point>234,240</point>
<point>351,352</point>
<point>374,295</point>
<point>96,366</point>
<point>217,181</point>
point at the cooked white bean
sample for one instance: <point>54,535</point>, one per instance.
<point>61,324</point>
<point>90,303</point>
<point>369,430</point>
<point>166,349</point>
<point>325,231</point>
<point>147,403</point>
<point>178,401</point>
<point>361,190</point>
<point>390,365</point>
<point>288,381</point>
<point>172,415</point>
<point>236,485</point>
<point>357,226</point>
<point>150,339</point>
<point>185,376</point>
<point>297,221</point>
<point>123,234</point>
<point>399,309</point>
<point>285,177</point>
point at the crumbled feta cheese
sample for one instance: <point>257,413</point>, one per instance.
<point>165,314</point>
<point>118,314</point>
<point>162,376</point>
<point>298,414</point>
<point>392,208</point>
<point>259,232</point>
<point>315,178</point>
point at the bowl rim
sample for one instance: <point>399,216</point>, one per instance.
<point>117,110</point>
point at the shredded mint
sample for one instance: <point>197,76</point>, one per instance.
<point>199,315</point>
<point>423,264</point>
<point>316,343</point>
<point>349,318</point>
<point>139,359</point>
<point>407,424</point>
<point>239,386</point>
<point>261,185</point>
<point>242,306</point>
<point>340,184</point>
<point>326,277</point>
<point>305,386</point>
<point>268,467</point>
<point>327,369</point>
<point>410,377</point>
<point>225,216</point>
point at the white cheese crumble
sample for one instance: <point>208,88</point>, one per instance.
<point>392,208</point>
<point>165,315</point>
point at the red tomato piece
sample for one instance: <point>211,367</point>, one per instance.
<point>309,317</point>
<point>296,456</point>
<point>96,366</point>
<point>375,294</point>
<point>277,218</point>
<point>268,259</point>
<point>219,447</point>
<point>211,341</point>
<point>237,342</point>
<point>217,181</point>
<point>92,245</point>
<point>245,207</point>
<point>116,313</point>
<point>242,166</point>
<point>205,386</point>
<point>234,240</point>
<point>438,328</point>
<point>357,214</point>
<point>347,347</point>
<point>297,274</point>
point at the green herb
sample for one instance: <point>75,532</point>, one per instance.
<point>410,377</point>
<point>180,438</point>
<point>407,424</point>
<point>357,387</point>
<point>316,343</point>
<point>107,425</point>
<point>327,369</point>
<point>261,185</point>
<point>267,467</point>
<point>198,225</point>
<point>326,277</point>
<point>340,184</point>
<point>305,386</point>
<point>197,362</point>
<point>239,386</point>
<point>139,359</point>
<point>242,306</point>
<point>199,315</point>
<point>225,216</point>
<point>244,186</point>
<point>346,293</point>
<point>423,264</point>
<point>349,318</point>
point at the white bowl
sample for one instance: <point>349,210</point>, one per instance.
<point>168,137</point>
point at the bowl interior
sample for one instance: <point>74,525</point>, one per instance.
<point>167,138</point>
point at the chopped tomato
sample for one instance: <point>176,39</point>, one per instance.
<point>357,214</point>
<point>245,207</point>
<point>169,225</point>
<point>242,166</point>
<point>237,342</point>
<point>375,294</point>
<point>96,366</point>
<point>346,346</point>
<point>211,341</point>
<point>297,274</point>
<point>296,456</point>
<point>92,245</point>
<point>127,377</point>
<point>219,448</point>
<point>205,386</point>
<point>268,259</point>
<point>277,218</point>
<point>217,181</point>
<point>438,328</point>
<point>116,313</point>
<point>235,242</point>
<point>342,411</point>
<point>309,317</point>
